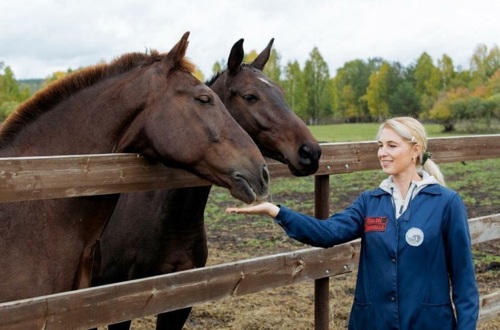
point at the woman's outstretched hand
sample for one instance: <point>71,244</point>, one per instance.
<point>265,208</point>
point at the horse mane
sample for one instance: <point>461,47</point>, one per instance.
<point>212,80</point>
<point>60,90</point>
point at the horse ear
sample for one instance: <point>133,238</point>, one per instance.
<point>176,54</point>
<point>235,57</point>
<point>263,57</point>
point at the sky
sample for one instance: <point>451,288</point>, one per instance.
<point>38,38</point>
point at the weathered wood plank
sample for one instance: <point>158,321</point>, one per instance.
<point>112,303</point>
<point>360,156</point>
<point>490,306</point>
<point>31,178</point>
<point>485,228</point>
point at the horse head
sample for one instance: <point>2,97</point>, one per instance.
<point>185,124</point>
<point>259,106</point>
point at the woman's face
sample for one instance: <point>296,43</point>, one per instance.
<point>395,154</point>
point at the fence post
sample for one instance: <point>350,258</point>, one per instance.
<point>321,286</point>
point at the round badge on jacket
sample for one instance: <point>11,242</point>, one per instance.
<point>414,236</point>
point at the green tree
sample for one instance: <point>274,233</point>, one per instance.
<point>377,96</point>
<point>493,61</point>
<point>349,87</point>
<point>317,76</point>
<point>484,64</point>
<point>9,89</point>
<point>445,65</point>
<point>11,95</point>
<point>448,108</point>
<point>493,83</point>
<point>295,89</point>
<point>404,101</point>
<point>478,65</point>
<point>6,108</point>
<point>427,82</point>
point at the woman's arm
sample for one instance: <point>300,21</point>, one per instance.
<point>461,265</point>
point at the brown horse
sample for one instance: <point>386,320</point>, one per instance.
<point>142,103</point>
<point>158,232</point>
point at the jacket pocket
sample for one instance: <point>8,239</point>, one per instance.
<point>435,316</point>
<point>360,317</point>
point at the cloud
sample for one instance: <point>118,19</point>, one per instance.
<point>40,37</point>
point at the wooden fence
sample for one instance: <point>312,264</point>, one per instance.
<point>32,178</point>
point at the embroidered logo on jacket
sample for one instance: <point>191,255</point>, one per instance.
<point>375,224</point>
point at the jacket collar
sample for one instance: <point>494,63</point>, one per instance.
<point>428,185</point>
<point>433,189</point>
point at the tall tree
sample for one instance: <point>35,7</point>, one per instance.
<point>404,101</point>
<point>478,65</point>
<point>445,65</point>
<point>484,64</point>
<point>427,82</point>
<point>9,89</point>
<point>11,95</point>
<point>350,85</point>
<point>493,61</point>
<point>493,84</point>
<point>317,78</point>
<point>295,89</point>
<point>377,96</point>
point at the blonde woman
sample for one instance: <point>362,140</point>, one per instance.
<point>415,269</point>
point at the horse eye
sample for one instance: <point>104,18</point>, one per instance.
<point>204,99</point>
<point>250,98</point>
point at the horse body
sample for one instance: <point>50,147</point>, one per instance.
<point>146,104</point>
<point>162,231</point>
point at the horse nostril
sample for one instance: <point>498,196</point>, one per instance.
<point>306,155</point>
<point>265,174</point>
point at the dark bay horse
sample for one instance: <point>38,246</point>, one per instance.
<point>142,103</point>
<point>162,231</point>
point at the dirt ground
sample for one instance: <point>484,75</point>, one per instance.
<point>290,307</point>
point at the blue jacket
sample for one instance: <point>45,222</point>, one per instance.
<point>407,264</point>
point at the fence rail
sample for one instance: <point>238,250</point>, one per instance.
<point>28,178</point>
<point>55,177</point>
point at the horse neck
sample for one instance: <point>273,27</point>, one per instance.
<point>189,204</point>
<point>87,122</point>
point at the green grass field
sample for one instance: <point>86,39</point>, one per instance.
<point>360,132</point>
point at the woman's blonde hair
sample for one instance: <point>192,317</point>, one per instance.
<point>413,131</point>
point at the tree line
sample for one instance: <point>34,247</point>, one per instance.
<point>361,90</point>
